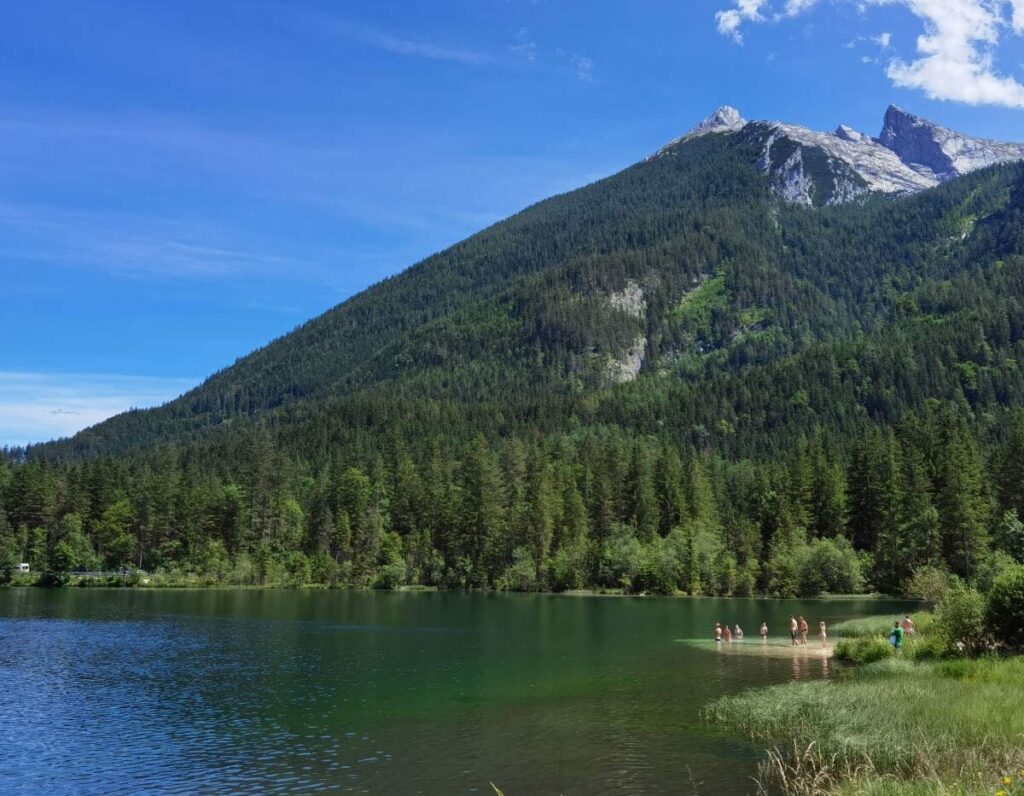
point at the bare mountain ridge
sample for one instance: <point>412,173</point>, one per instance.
<point>911,154</point>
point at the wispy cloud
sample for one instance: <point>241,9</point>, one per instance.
<point>584,67</point>
<point>955,53</point>
<point>387,41</point>
<point>132,245</point>
<point>524,47</point>
<point>36,407</point>
<point>420,49</point>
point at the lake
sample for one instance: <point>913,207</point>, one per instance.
<point>162,691</point>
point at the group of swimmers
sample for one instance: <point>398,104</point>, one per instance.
<point>798,629</point>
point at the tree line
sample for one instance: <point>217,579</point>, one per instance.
<point>599,508</point>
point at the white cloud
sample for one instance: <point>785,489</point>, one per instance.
<point>730,20</point>
<point>1018,15</point>
<point>955,53</point>
<point>796,7</point>
<point>36,407</point>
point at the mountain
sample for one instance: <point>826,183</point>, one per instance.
<point>911,154</point>
<point>713,371</point>
<point>943,154</point>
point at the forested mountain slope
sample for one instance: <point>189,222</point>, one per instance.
<point>673,379</point>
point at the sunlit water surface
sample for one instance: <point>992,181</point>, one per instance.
<point>133,691</point>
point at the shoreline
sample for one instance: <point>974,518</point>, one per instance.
<point>919,722</point>
<point>774,647</point>
<point>146,583</point>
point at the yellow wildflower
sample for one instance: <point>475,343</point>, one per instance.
<point>1002,793</point>
<point>1007,781</point>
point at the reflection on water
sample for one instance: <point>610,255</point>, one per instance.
<point>295,692</point>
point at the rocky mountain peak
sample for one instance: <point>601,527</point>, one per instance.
<point>725,119</point>
<point>849,134</point>
<point>931,148</point>
<point>808,167</point>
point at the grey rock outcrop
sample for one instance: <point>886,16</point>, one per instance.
<point>933,149</point>
<point>815,168</point>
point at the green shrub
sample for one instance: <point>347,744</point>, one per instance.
<point>829,566</point>
<point>391,575</point>
<point>928,583</point>
<point>783,577</point>
<point>621,557</point>
<point>521,574</point>
<point>991,567</point>
<point>391,571</point>
<point>863,649</point>
<point>323,568</point>
<point>960,621</point>
<point>660,568</point>
<point>297,567</point>
<point>1005,611</point>
<point>569,568</point>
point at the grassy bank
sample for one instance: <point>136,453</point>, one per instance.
<point>893,727</point>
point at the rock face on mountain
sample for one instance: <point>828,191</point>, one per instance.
<point>931,148</point>
<point>725,119</point>
<point>816,168</point>
<point>847,164</point>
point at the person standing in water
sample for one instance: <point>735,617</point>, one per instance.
<point>804,627</point>
<point>823,634</point>
<point>738,633</point>
<point>718,631</point>
<point>727,633</point>
<point>764,631</point>
<point>794,630</point>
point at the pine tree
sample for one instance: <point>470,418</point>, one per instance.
<point>669,487</point>
<point>962,503</point>
<point>828,497</point>
<point>642,496</point>
<point>1010,469</point>
<point>484,524</point>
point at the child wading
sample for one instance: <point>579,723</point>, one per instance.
<point>794,630</point>
<point>823,635</point>
<point>804,627</point>
<point>718,631</point>
<point>764,631</point>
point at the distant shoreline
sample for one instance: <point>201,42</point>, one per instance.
<point>130,582</point>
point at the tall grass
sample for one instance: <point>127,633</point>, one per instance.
<point>895,727</point>
<point>879,625</point>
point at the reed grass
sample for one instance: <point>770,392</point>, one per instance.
<point>895,727</point>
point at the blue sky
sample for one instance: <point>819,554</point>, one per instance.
<point>183,182</point>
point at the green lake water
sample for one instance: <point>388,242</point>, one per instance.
<point>136,691</point>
